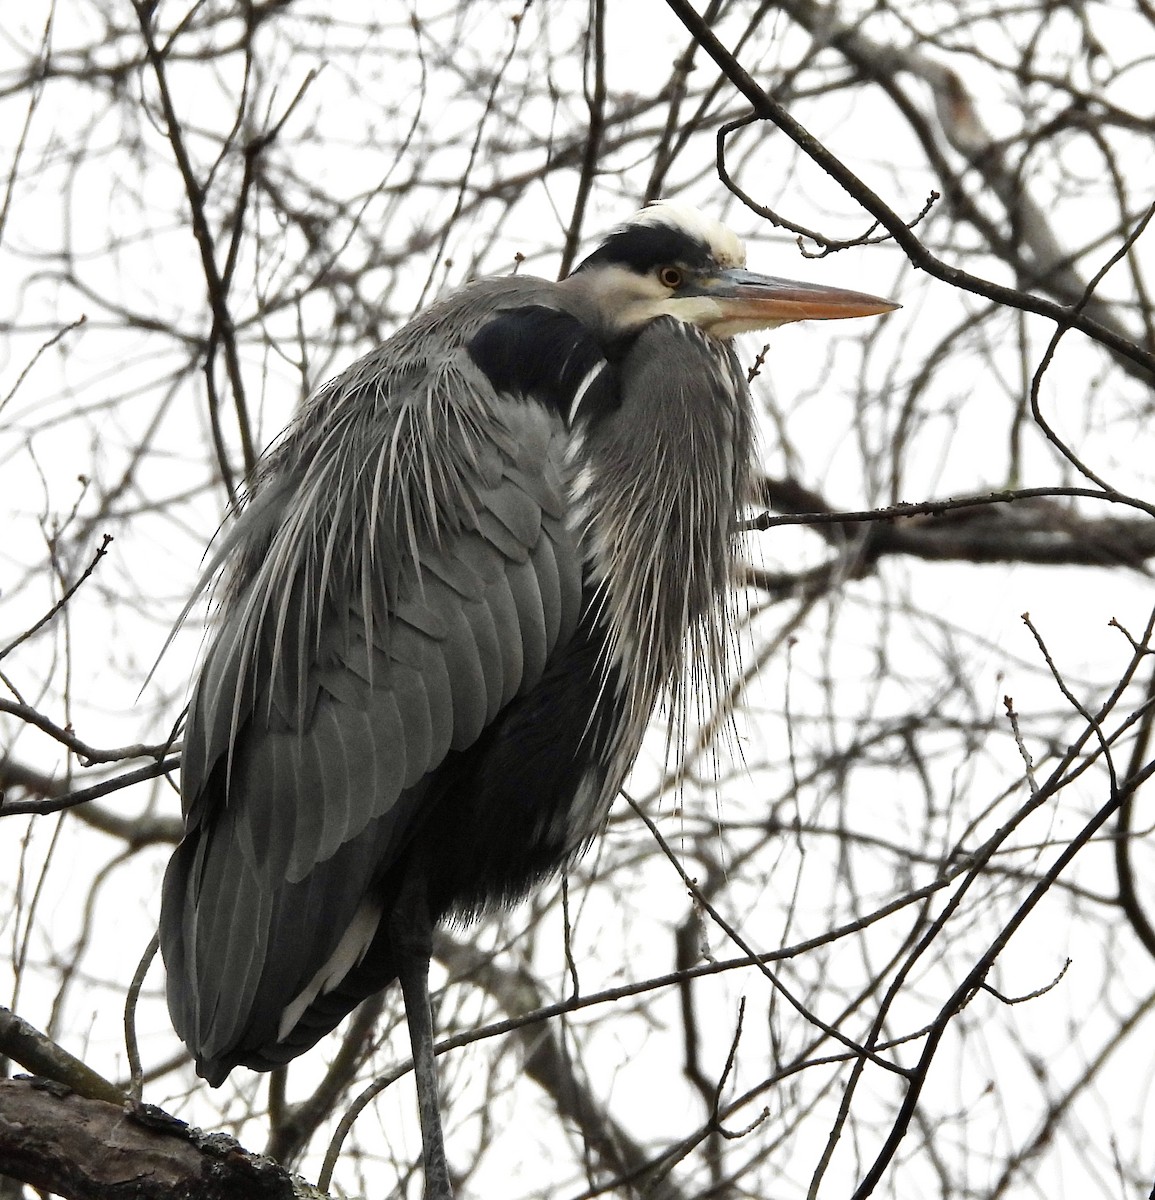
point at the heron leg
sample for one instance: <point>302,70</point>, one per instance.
<point>412,937</point>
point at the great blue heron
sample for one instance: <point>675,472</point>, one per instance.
<point>463,580</point>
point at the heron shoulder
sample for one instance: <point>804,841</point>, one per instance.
<point>456,318</point>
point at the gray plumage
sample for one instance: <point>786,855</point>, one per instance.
<point>405,569</point>
<point>464,579</point>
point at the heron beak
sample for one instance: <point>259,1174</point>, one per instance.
<point>748,301</point>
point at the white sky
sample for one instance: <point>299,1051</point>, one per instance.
<point>82,408</point>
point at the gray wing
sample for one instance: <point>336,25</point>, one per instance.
<point>355,651</point>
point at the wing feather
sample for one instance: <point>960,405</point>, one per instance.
<point>329,699</point>
<point>456,573</point>
<point>521,516</point>
<point>439,695</point>
<point>317,789</point>
<point>394,755</point>
<point>331,742</point>
<point>502,605</point>
<point>550,582</point>
<point>497,532</point>
<point>483,632</point>
<point>416,720</point>
<point>525,588</point>
<point>466,671</point>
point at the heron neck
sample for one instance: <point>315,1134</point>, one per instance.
<point>662,479</point>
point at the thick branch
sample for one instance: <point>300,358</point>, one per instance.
<point>1000,528</point>
<point>26,1045</point>
<point>92,1150</point>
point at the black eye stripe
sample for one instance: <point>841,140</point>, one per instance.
<point>643,248</point>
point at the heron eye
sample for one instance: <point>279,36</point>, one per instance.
<point>670,277</point>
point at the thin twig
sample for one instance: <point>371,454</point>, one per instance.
<point>595,60</point>
<point>766,520</point>
<point>131,1045</point>
<point>1013,717</point>
<point>758,960</point>
<point>1053,345</point>
<point>84,795</point>
<point>89,755</point>
<point>1072,699</point>
<point>1039,991</point>
<point>101,551</point>
<point>45,346</point>
<point>223,330</point>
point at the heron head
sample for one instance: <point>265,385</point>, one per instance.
<point>672,260</point>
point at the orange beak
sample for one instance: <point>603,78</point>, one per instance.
<point>751,301</point>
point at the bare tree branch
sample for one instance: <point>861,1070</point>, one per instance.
<point>87,1149</point>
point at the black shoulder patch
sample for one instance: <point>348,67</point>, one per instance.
<point>547,355</point>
